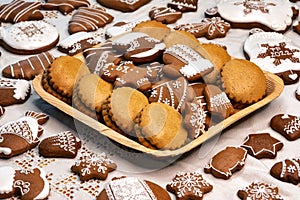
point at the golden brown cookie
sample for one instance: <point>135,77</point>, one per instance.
<point>63,73</point>
<point>243,81</point>
<point>218,55</point>
<point>160,126</point>
<point>124,105</point>
<point>181,37</point>
<point>153,28</point>
<point>93,91</point>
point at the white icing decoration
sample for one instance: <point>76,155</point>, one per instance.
<point>293,76</point>
<point>189,183</point>
<point>21,87</point>
<point>23,186</point>
<point>198,116</point>
<point>184,3</point>
<point>30,35</point>
<point>74,38</point>
<point>128,38</point>
<point>66,141</point>
<point>114,31</point>
<point>285,116</point>
<point>7,179</point>
<point>194,62</point>
<point>298,90</point>
<point>275,14</point>
<point>258,190</point>
<point>129,188</point>
<point>5,150</point>
<point>129,2</point>
<point>253,47</point>
<point>25,127</point>
<point>154,50</point>
<point>220,99</point>
<point>292,126</point>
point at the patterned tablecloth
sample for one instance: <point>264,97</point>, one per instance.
<point>66,185</point>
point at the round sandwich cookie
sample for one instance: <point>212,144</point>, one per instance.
<point>121,109</point>
<point>62,74</point>
<point>159,126</point>
<point>252,84</point>
<point>29,37</point>
<point>132,187</point>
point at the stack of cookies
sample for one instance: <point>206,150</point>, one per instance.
<point>161,88</point>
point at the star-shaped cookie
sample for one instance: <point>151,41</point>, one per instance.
<point>189,185</point>
<point>91,165</point>
<point>262,145</point>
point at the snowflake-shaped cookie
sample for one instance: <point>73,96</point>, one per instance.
<point>189,185</point>
<point>259,190</point>
<point>91,165</point>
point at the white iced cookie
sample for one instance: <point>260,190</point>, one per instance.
<point>275,53</point>
<point>274,15</point>
<point>29,37</point>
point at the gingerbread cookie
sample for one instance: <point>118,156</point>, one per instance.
<point>98,58</point>
<point>91,165</point>
<point>184,5</point>
<point>252,81</point>
<point>218,104</point>
<point>77,43</point>
<point>275,53</point>
<point>142,77</point>
<point>14,91</point>
<point>19,10</point>
<point>210,28</point>
<point>183,60</point>
<point>120,28</point>
<point>63,73</point>
<point>62,145</point>
<point>189,185</point>
<point>28,68</point>
<point>92,91</point>
<point>132,187</point>
<point>31,184</point>
<point>286,125</point>
<point>165,15</point>
<point>226,162</point>
<point>41,118</point>
<point>20,135</point>
<point>89,19</point>
<point>65,6</point>
<point>123,5</point>
<point>257,14</point>
<point>287,170</point>
<point>163,132</point>
<point>30,37</point>
<point>172,92</point>
<point>111,72</point>
<point>139,47</point>
<point>121,109</point>
<point>262,145</point>
<point>259,190</point>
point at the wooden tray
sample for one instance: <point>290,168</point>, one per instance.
<point>274,88</point>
